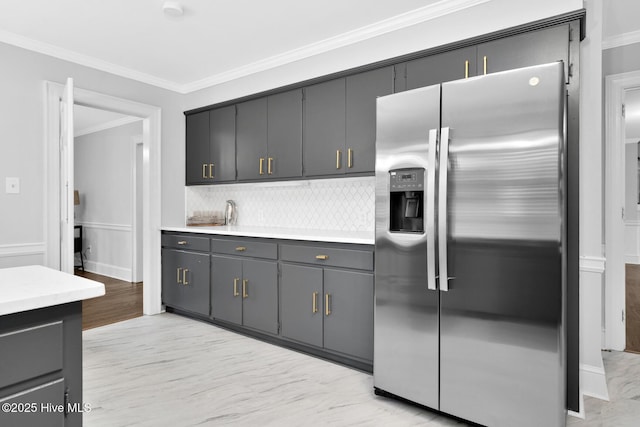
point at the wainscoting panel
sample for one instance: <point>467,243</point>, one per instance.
<point>21,254</point>
<point>632,242</point>
<point>107,249</point>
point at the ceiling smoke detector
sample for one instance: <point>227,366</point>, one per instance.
<point>172,8</point>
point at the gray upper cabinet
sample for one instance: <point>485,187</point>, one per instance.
<point>361,93</point>
<point>453,65</point>
<point>284,135</point>
<point>197,148</point>
<point>222,139</point>
<point>324,128</point>
<point>211,146</point>
<point>523,50</point>
<point>251,139</point>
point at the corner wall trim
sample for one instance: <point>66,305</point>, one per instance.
<point>22,249</point>
<point>593,382</point>
<point>621,40</point>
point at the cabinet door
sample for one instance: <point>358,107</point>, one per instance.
<point>260,295</point>
<point>285,135</point>
<point>37,407</point>
<point>523,50</point>
<point>348,318</point>
<point>362,91</point>
<point>185,280</point>
<point>197,148</point>
<point>251,139</point>
<point>324,128</point>
<point>443,67</point>
<point>301,303</point>
<point>222,125</point>
<point>226,289</point>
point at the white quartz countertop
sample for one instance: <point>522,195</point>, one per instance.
<point>356,237</point>
<point>35,286</point>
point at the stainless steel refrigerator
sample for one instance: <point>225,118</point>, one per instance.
<point>470,247</point>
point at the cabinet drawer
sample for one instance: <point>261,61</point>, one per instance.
<point>323,255</point>
<point>250,248</point>
<point>185,241</point>
<point>30,352</point>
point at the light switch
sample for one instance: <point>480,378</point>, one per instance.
<point>13,185</point>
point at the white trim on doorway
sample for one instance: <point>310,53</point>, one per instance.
<point>151,132</point>
<point>615,87</point>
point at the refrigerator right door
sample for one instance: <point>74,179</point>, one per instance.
<point>502,339</point>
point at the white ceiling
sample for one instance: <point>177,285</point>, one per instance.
<point>213,41</point>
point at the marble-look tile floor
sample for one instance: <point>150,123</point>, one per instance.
<point>167,370</point>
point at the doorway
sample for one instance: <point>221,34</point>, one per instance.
<point>151,131</point>
<point>622,302</point>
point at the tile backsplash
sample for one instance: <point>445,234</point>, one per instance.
<point>345,204</point>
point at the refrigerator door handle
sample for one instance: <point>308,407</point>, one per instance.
<point>442,208</point>
<point>431,210</point>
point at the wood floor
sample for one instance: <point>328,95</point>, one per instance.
<point>632,298</point>
<point>122,301</point>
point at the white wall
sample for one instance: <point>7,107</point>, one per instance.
<point>22,234</point>
<point>103,166</point>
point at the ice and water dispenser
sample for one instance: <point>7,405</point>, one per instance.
<point>407,200</point>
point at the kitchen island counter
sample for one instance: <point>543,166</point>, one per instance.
<point>32,287</point>
<point>335,236</point>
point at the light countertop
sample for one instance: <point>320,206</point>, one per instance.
<point>35,286</point>
<point>356,237</point>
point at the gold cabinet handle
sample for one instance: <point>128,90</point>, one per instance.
<point>212,173</point>
<point>182,242</point>
<point>241,249</point>
<point>244,288</point>
<point>184,276</point>
<point>484,64</point>
<point>327,307</point>
<point>314,303</point>
<point>204,170</point>
<point>179,279</point>
<point>322,257</point>
<point>338,153</point>
<point>350,158</point>
<point>235,287</point>
<point>261,165</point>
<point>466,69</point>
<point>269,163</point>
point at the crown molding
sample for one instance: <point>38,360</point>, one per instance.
<point>88,61</point>
<point>108,125</point>
<point>416,16</point>
<point>407,19</point>
<point>621,40</point>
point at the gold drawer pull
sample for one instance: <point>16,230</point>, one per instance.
<point>322,257</point>
<point>204,170</point>
<point>338,153</point>
<point>184,276</point>
<point>212,173</point>
<point>241,249</point>
<point>350,158</point>
<point>327,307</point>
<point>261,166</point>
<point>245,294</point>
<point>466,69</point>
<point>235,287</point>
<point>314,303</point>
<point>484,60</point>
<point>182,242</point>
<point>269,169</point>
<point>179,279</point>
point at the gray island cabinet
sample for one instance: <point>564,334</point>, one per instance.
<point>311,296</point>
<point>41,346</point>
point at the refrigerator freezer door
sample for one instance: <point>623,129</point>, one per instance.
<point>502,328</point>
<point>406,311</point>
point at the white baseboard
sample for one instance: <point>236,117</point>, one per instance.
<point>108,270</point>
<point>581,413</point>
<point>593,382</point>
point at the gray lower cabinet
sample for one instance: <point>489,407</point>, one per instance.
<point>327,307</point>
<point>41,367</point>
<point>245,292</point>
<point>185,280</point>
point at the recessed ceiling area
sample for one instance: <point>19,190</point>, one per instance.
<point>138,40</point>
<point>88,120</point>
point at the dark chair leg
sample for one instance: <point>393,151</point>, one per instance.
<point>81,261</point>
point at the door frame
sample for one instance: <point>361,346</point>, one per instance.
<point>151,137</point>
<point>136,275</point>
<point>615,326</point>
